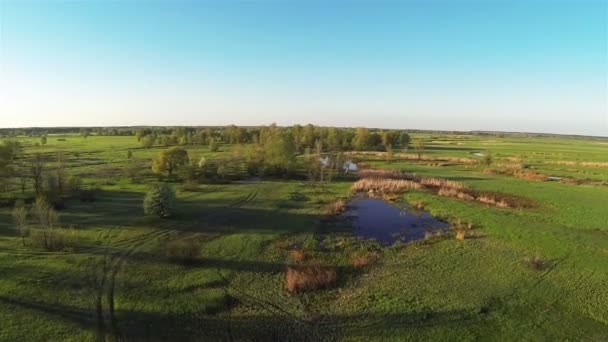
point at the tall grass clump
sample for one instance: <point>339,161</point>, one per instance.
<point>442,183</point>
<point>536,262</point>
<point>298,255</point>
<point>364,260</point>
<point>309,278</point>
<point>384,185</point>
<point>461,229</point>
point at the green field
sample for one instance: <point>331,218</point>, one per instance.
<point>118,284</point>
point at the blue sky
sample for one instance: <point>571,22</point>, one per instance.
<point>538,66</point>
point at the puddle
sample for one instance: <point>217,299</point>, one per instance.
<point>388,223</point>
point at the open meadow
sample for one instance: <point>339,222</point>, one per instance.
<point>248,254</point>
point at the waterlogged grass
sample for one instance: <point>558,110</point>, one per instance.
<point>442,289</point>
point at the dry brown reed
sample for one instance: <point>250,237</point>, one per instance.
<point>442,183</point>
<point>298,255</point>
<point>308,278</point>
<point>384,185</point>
<point>364,260</point>
<point>461,229</point>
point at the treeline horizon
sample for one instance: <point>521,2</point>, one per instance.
<point>131,130</point>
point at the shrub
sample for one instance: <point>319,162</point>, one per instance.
<point>160,201</point>
<point>461,229</point>
<point>298,255</point>
<point>184,251</point>
<point>54,240</point>
<point>536,262</point>
<point>307,278</point>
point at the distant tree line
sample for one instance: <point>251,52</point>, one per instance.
<point>303,138</point>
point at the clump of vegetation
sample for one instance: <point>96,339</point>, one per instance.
<point>384,185</point>
<point>54,240</point>
<point>185,251</point>
<point>364,260</point>
<point>298,255</point>
<point>461,229</point>
<point>536,262</point>
<point>442,183</point>
<point>419,205</point>
<point>160,201</point>
<point>309,278</point>
<point>336,207</point>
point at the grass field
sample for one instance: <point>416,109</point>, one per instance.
<point>119,284</point>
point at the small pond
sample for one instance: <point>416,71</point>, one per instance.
<point>388,223</point>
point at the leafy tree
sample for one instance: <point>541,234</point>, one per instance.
<point>213,145</point>
<point>160,201</point>
<point>390,138</point>
<point>169,160</point>
<point>43,140</point>
<point>404,139</point>
<point>36,167</point>
<point>361,141</point>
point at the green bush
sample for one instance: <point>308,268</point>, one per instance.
<point>160,201</point>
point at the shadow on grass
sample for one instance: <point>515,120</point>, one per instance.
<point>151,326</point>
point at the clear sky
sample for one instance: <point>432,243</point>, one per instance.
<point>539,66</point>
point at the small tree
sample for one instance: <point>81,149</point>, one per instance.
<point>419,147</point>
<point>43,140</point>
<point>148,141</point>
<point>389,153</point>
<point>20,218</point>
<point>213,145</point>
<point>169,160</point>
<point>160,201</point>
<point>129,154</point>
<point>36,167</point>
<point>487,159</point>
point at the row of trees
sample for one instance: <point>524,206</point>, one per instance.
<point>303,137</point>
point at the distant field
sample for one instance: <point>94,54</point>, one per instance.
<point>477,289</point>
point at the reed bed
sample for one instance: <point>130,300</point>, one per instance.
<point>575,163</point>
<point>442,183</point>
<point>308,278</point>
<point>384,185</point>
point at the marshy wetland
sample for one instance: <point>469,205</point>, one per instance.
<point>444,245</point>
